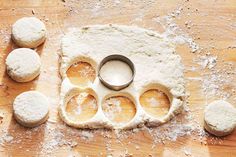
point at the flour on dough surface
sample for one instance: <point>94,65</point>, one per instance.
<point>28,32</point>
<point>23,64</point>
<point>220,118</point>
<point>156,63</point>
<point>31,108</point>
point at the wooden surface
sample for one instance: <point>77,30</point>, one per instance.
<point>213,28</point>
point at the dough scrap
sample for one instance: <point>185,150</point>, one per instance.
<point>23,64</point>
<point>156,63</point>
<point>28,32</point>
<point>220,118</point>
<point>31,108</point>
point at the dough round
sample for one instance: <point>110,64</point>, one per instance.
<point>220,118</point>
<point>23,64</point>
<point>28,32</point>
<point>31,108</point>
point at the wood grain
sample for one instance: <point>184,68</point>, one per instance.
<point>213,28</point>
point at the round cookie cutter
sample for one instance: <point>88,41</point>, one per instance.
<point>120,58</point>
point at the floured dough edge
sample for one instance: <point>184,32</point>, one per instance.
<point>31,125</point>
<point>68,90</point>
<point>30,44</point>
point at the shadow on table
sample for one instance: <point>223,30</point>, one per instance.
<point>222,146</point>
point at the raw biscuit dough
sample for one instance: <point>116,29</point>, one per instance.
<point>29,32</point>
<point>220,118</point>
<point>23,64</point>
<point>121,75</point>
<point>156,63</point>
<point>31,108</point>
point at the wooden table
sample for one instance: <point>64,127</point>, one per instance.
<point>212,25</point>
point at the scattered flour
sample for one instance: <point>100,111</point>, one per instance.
<point>207,61</point>
<point>187,151</point>
<point>112,107</point>
<point>173,32</point>
<point>153,102</point>
<point>92,103</point>
<point>6,138</point>
<point>79,110</point>
<point>80,99</point>
<point>86,135</point>
<point>57,135</point>
<point>213,83</point>
<point>96,11</point>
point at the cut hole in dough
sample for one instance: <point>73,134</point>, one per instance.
<point>81,73</point>
<point>119,109</point>
<point>81,107</point>
<point>155,103</point>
